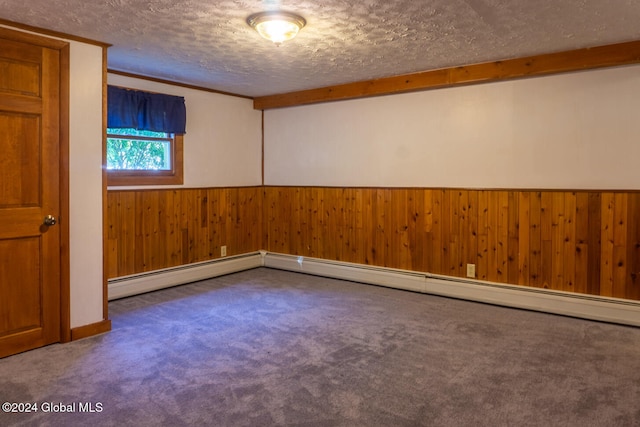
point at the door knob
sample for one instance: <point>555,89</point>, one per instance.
<point>49,220</point>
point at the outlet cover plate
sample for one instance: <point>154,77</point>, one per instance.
<point>471,270</point>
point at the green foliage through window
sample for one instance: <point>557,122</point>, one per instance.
<point>132,149</point>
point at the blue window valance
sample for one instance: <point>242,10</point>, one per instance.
<point>135,109</point>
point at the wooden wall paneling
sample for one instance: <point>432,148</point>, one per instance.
<point>583,241</point>
<point>253,228</point>
<point>454,262</point>
<point>482,263</point>
<point>187,238</point>
<point>502,254</point>
<point>174,236</point>
<point>257,208</point>
<point>138,222</point>
<point>513,236</point>
<point>154,229</point>
<point>379,247</point>
<point>464,237</point>
<point>408,230</point>
<point>633,248</point>
<point>367,228</point>
<point>344,216</point>
<point>493,242</point>
<point>569,243</point>
<point>202,226</point>
<point>302,219</point>
<point>225,213</point>
<point>167,226</point>
<point>582,244</point>
<point>595,242</point>
<point>216,219</point>
<point>113,235</point>
<point>236,237</point>
<point>214,222</point>
<point>461,206</point>
<point>535,239</point>
<point>363,224</point>
<point>471,248</point>
<point>306,221</point>
<point>178,238</point>
<point>254,208</point>
<point>268,222</point>
<point>281,211</point>
<point>114,224</point>
<point>607,243</point>
<point>347,216</point>
<point>265,196</point>
<point>127,244</point>
<point>164,229</point>
<point>546,238</point>
<point>354,226</point>
<point>620,230</point>
<point>342,209</point>
<point>619,271</point>
<point>447,245</point>
<point>244,231</point>
<point>159,236</point>
<point>239,235</point>
<point>163,256</point>
<point>436,252</point>
<point>193,223</point>
<point>332,234</point>
<point>417,233</point>
<point>427,232</point>
<point>399,226</point>
<point>316,222</point>
<point>232,225</point>
<point>557,242</point>
<point>333,218</point>
<point>524,222</point>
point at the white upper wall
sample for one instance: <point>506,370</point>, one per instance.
<point>223,140</point>
<point>570,131</point>
<point>85,184</point>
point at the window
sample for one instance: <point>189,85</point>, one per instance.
<point>144,138</point>
<point>136,157</point>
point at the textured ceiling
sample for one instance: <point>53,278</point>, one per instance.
<point>207,42</point>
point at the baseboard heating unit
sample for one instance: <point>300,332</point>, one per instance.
<point>591,307</point>
<point>159,279</point>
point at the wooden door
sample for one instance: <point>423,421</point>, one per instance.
<point>30,284</point>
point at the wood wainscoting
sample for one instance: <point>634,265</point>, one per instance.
<point>154,229</point>
<point>577,241</point>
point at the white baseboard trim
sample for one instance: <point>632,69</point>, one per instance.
<point>604,309</point>
<point>564,303</point>
<point>140,283</point>
<point>399,279</point>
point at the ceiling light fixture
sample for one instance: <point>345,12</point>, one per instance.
<point>276,26</point>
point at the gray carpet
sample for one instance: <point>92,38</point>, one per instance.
<point>266,347</point>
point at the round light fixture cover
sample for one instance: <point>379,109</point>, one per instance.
<point>276,26</point>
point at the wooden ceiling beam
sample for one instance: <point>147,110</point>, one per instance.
<point>538,65</point>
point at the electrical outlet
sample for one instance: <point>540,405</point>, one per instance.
<point>471,270</point>
<point>223,251</point>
